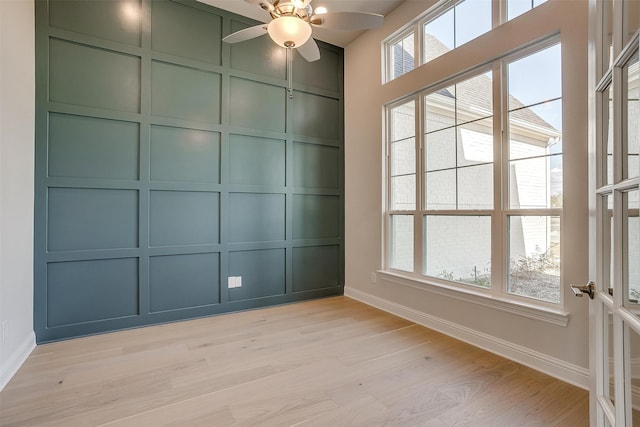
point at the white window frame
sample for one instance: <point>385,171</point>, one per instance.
<point>498,13</point>
<point>497,296</point>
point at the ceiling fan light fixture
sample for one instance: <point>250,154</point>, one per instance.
<point>289,31</point>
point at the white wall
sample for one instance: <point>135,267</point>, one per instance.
<point>17,97</point>
<point>557,349</point>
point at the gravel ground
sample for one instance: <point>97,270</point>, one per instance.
<point>537,285</point>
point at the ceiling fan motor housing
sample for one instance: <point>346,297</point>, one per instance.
<point>297,8</point>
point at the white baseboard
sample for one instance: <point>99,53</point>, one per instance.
<point>555,367</point>
<point>11,366</point>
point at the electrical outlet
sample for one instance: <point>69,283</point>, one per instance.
<point>374,277</point>
<point>5,330</point>
<point>234,282</point>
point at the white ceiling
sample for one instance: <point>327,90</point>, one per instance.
<point>338,38</point>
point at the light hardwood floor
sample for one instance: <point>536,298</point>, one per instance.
<point>330,362</point>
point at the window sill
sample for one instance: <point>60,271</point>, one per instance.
<point>532,311</point>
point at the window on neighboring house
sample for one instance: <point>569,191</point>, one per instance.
<point>475,219</point>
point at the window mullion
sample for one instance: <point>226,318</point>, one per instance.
<point>386,253</point>
<point>498,12</point>
<point>417,46</point>
<point>500,179</point>
<point>420,202</point>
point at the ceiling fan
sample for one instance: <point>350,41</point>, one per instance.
<point>292,22</point>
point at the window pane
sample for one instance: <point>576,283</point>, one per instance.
<point>632,117</point>
<point>440,150</point>
<point>535,131</point>
<point>475,187</point>
<point>440,188</point>
<point>463,22</point>
<point>474,98</point>
<point>439,36</point>
<point>458,248</point>
<point>534,257</point>
<point>473,18</point>
<point>402,242</point>
<point>403,122</point>
<point>440,109</point>
<point>535,78</point>
<point>536,183</point>
<point>403,153</point>
<point>403,157</point>
<point>402,56</point>
<point>475,143</point>
<point>403,192</point>
<point>518,7</point>
<point>531,132</point>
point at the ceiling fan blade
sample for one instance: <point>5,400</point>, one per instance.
<point>309,50</point>
<point>246,34</point>
<point>348,20</point>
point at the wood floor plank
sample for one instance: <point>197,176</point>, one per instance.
<point>328,362</point>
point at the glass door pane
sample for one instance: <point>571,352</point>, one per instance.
<point>631,16</point>
<point>608,372</point>
<point>607,35</point>
<point>607,135</point>
<point>631,259</point>
<point>631,116</point>
<point>606,239</point>
<point>632,375</point>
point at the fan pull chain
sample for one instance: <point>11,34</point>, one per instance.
<point>290,72</point>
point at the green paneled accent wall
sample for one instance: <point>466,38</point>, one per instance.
<point>168,161</point>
